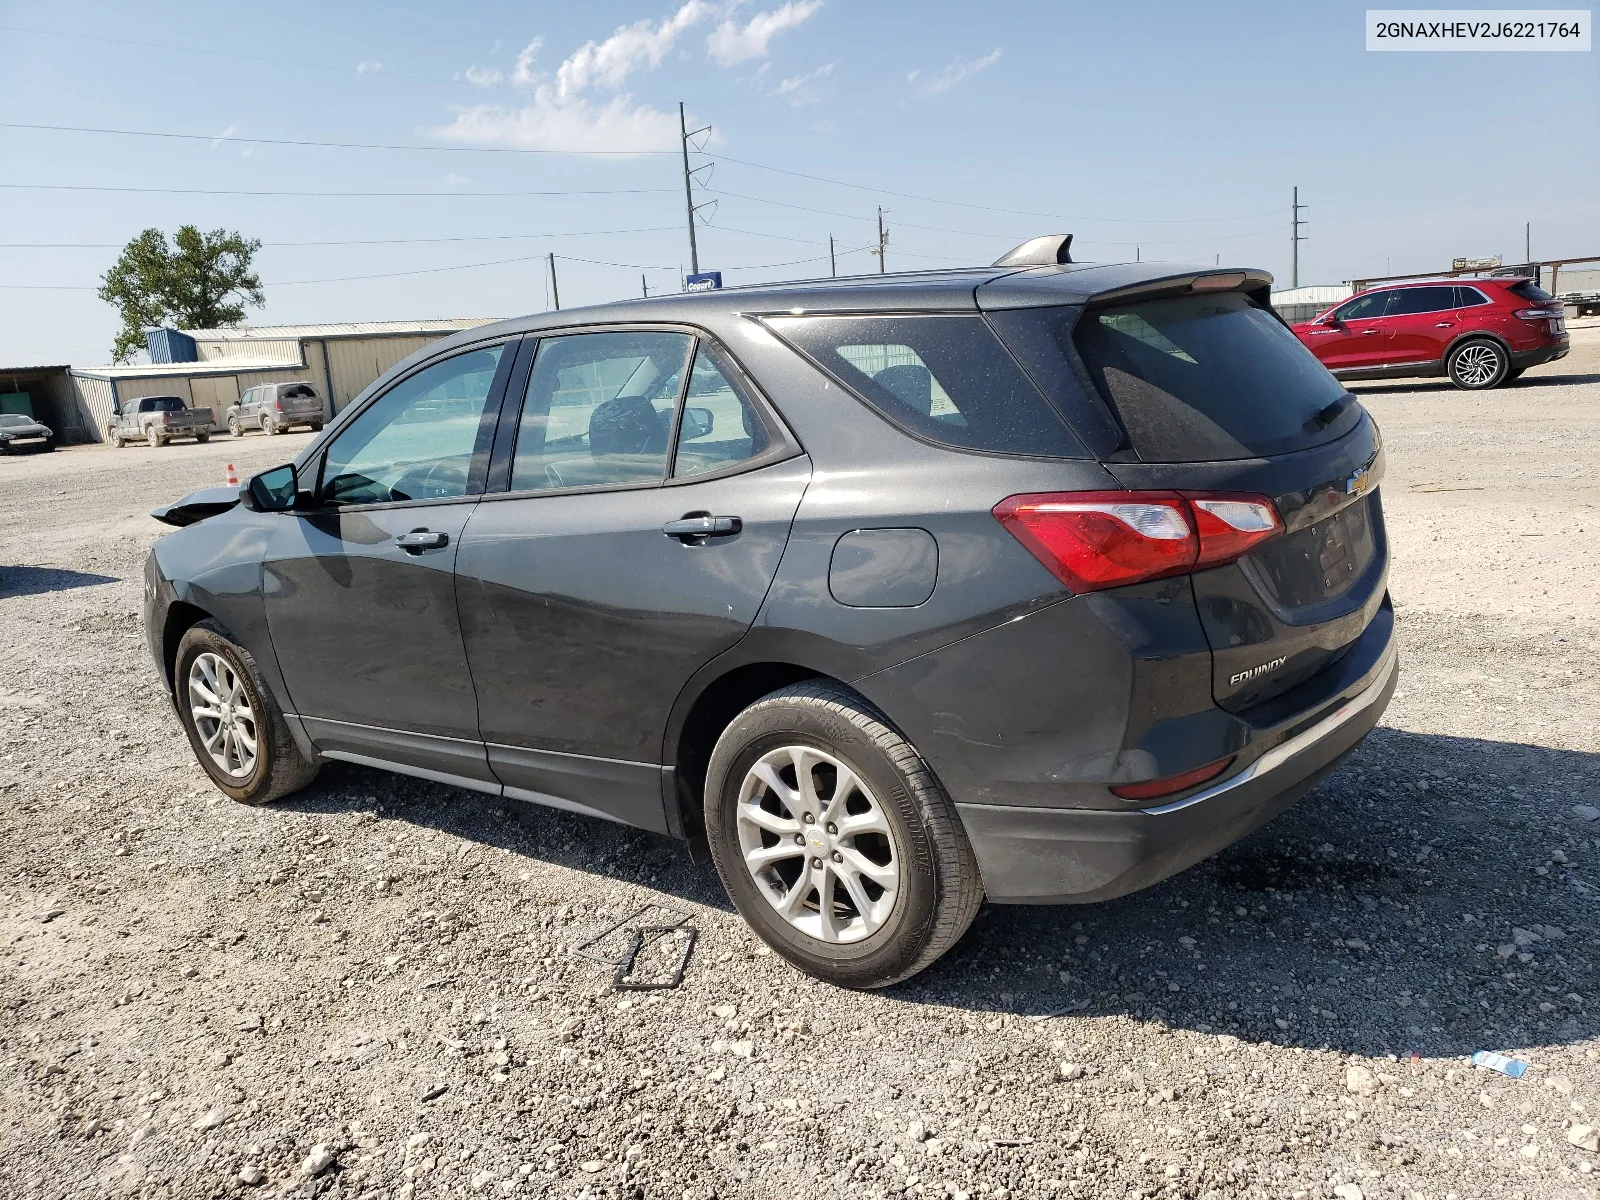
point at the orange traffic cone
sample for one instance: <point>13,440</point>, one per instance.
<point>232,479</point>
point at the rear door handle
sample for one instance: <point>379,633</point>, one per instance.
<point>419,540</point>
<point>695,528</point>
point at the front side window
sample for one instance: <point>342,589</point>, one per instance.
<point>720,426</point>
<point>417,440</point>
<point>1365,307</point>
<point>943,378</point>
<point>599,410</point>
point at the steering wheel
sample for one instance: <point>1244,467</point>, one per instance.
<point>437,480</point>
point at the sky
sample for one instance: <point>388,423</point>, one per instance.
<point>1170,131</point>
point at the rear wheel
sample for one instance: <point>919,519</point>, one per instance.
<point>202,438</point>
<point>234,725</point>
<point>1478,364</point>
<point>154,438</point>
<point>269,425</point>
<point>316,427</point>
<point>835,841</point>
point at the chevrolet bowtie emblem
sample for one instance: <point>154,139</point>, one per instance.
<point>1359,482</point>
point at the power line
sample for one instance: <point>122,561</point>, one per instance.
<point>71,187</point>
<point>491,237</point>
<point>263,141</point>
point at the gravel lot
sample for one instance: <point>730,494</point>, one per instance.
<point>368,990</point>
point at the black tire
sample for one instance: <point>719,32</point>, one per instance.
<point>114,436</point>
<point>939,890</point>
<point>202,438</point>
<point>234,427</point>
<point>279,767</point>
<point>154,438</point>
<point>270,425</point>
<point>1478,364</point>
<point>316,427</point>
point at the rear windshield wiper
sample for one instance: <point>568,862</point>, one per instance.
<point>1327,416</point>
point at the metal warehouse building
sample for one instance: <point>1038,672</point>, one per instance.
<point>209,368</point>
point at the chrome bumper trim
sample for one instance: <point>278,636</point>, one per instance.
<point>1301,742</point>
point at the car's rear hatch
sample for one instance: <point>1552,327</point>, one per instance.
<point>297,401</point>
<point>1186,388</point>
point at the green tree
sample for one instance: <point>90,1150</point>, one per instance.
<point>202,281</point>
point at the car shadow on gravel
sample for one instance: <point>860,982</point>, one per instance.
<point>1526,383</point>
<point>1436,894</point>
<point>1398,908</point>
<point>37,581</point>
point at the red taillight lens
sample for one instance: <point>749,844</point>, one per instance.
<point>1230,526</point>
<point>1153,788</point>
<point>1096,540</point>
<point>1537,314</point>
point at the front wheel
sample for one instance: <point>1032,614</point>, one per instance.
<point>234,724</point>
<point>1478,364</point>
<point>114,436</point>
<point>834,839</point>
<point>234,427</point>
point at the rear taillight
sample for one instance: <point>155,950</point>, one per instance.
<point>1537,314</point>
<point>1096,540</point>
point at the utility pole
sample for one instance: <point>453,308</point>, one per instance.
<point>1527,241</point>
<point>555,291</point>
<point>645,285</point>
<point>1295,238</point>
<point>688,191</point>
<point>883,238</point>
<point>833,263</point>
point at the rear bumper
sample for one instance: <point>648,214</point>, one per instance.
<point>1075,856</point>
<point>1521,360</point>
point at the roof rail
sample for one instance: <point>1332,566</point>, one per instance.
<point>1044,251</point>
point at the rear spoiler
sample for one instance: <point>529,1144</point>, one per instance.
<point>1254,283</point>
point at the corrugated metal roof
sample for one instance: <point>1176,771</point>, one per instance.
<point>219,366</point>
<point>441,325</point>
<point>1313,294</point>
<point>26,370</point>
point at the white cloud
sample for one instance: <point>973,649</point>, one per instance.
<point>609,63</point>
<point>224,135</point>
<point>732,43</point>
<point>368,66</point>
<point>803,89</point>
<point>454,180</point>
<point>523,74</point>
<point>551,124</point>
<point>484,76</point>
<point>956,72</point>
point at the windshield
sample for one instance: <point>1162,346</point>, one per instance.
<point>10,419</point>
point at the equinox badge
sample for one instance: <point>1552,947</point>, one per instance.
<point>1255,672</point>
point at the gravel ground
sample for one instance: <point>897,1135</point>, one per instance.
<point>369,989</point>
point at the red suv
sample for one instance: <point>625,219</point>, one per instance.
<point>1479,332</point>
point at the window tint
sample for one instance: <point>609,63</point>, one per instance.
<point>1202,378</point>
<point>720,426</point>
<point>417,440</point>
<point>1409,301</point>
<point>296,391</point>
<point>1529,290</point>
<point>1365,306</point>
<point>599,410</point>
<point>161,404</point>
<point>1468,297</point>
<point>945,378</point>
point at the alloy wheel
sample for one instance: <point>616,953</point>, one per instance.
<point>1477,365</point>
<point>223,717</point>
<point>818,844</point>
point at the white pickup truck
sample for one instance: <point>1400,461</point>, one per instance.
<point>157,420</point>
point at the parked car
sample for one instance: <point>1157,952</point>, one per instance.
<point>157,420</point>
<point>276,408</point>
<point>1479,332</point>
<point>19,434</point>
<point>1039,582</point>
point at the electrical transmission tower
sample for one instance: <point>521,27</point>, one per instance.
<point>688,190</point>
<point>1295,238</point>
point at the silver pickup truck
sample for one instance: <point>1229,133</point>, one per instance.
<point>157,420</point>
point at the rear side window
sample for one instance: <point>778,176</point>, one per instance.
<point>946,379</point>
<point>1529,290</point>
<point>1467,297</point>
<point>1201,378</point>
<point>1423,300</point>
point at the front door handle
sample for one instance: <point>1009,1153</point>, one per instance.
<point>1443,324</point>
<point>1371,332</point>
<point>419,540</point>
<point>700,526</point>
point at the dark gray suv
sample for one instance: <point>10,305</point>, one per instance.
<point>1038,582</point>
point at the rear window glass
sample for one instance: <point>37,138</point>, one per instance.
<point>162,404</point>
<point>296,391</point>
<point>1529,290</point>
<point>944,378</point>
<point>1209,377</point>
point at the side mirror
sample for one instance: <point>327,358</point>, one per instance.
<point>697,422</point>
<point>1328,319</point>
<point>276,490</point>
